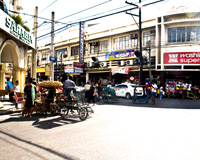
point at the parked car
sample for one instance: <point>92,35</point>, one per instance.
<point>127,90</point>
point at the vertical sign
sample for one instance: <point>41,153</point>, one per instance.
<point>81,42</point>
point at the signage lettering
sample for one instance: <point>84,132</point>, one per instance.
<point>18,31</point>
<point>182,58</point>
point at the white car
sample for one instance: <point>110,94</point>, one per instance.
<point>127,90</point>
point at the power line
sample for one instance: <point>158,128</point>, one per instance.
<point>105,16</point>
<point>44,9</point>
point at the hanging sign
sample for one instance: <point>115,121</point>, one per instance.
<point>81,42</point>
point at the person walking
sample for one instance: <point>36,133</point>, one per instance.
<point>161,92</point>
<point>10,91</point>
<point>154,89</point>
<point>30,91</point>
<point>16,92</point>
<point>87,91</point>
<point>92,93</point>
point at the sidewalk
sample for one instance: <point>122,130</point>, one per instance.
<point>7,107</point>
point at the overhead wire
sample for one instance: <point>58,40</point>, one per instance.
<point>108,15</point>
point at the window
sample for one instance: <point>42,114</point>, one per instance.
<point>38,59</point>
<point>61,53</point>
<point>125,42</point>
<point>97,47</point>
<point>184,34</point>
<point>149,36</point>
<point>75,51</point>
<point>45,56</point>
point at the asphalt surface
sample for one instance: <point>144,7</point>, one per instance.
<point>167,130</point>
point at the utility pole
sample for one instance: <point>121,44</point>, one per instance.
<point>52,48</point>
<point>149,50</point>
<point>34,51</point>
<point>140,34</point>
<point>139,6</point>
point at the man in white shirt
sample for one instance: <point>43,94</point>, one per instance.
<point>154,89</point>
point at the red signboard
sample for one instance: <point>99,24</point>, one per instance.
<point>78,64</point>
<point>182,58</point>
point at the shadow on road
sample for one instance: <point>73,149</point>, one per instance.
<point>42,122</point>
<point>164,103</point>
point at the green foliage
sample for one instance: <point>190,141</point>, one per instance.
<point>18,20</point>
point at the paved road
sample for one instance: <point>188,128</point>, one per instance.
<point>166,131</point>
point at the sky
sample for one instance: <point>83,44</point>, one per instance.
<point>66,11</point>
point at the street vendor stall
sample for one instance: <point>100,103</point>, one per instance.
<point>47,96</point>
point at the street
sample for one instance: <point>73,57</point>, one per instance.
<point>167,130</point>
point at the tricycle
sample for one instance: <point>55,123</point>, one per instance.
<point>142,97</point>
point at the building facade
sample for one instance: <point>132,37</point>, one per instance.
<point>170,44</point>
<point>15,41</point>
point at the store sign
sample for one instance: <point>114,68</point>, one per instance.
<point>40,70</point>
<point>120,55</point>
<point>120,70</point>
<point>9,25</point>
<point>78,70</point>
<point>78,64</point>
<point>81,42</point>
<point>69,70</point>
<point>47,70</point>
<point>182,58</point>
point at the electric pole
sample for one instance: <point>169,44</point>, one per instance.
<point>34,51</point>
<point>52,48</point>
<point>149,50</point>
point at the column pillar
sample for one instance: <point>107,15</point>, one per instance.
<point>2,79</point>
<point>16,75</point>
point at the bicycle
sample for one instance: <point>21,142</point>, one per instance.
<point>74,106</point>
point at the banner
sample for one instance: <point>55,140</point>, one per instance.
<point>128,54</point>
<point>81,42</point>
<point>182,58</point>
<point>120,70</point>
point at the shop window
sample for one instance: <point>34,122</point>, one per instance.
<point>125,42</point>
<point>149,36</point>
<point>184,34</point>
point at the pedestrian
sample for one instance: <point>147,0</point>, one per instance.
<point>10,91</point>
<point>161,92</point>
<point>92,93</point>
<point>87,90</point>
<point>154,89</point>
<point>149,89</point>
<point>30,91</point>
<point>16,92</point>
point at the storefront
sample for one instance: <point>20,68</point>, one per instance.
<point>14,43</point>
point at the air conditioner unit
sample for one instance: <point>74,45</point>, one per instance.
<point>134,36</point>
<point>89,64</point>
<point>95,43</point>
<point>129,62</point>
<point>121,63</point>
<point>103,64</point>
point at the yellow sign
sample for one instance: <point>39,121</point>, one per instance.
<point>47,70</point>
<point>40,70</point>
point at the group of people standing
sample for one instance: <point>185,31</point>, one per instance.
<point>153,90</point>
